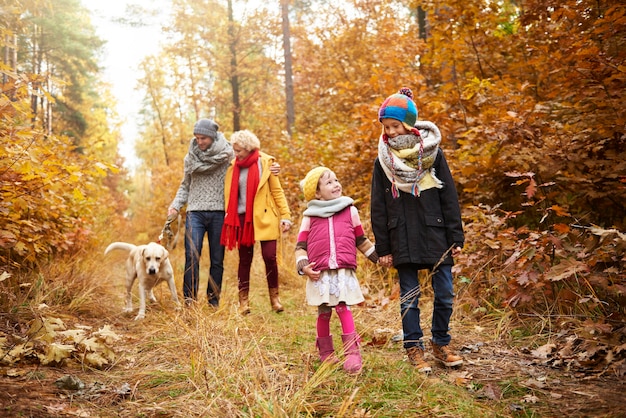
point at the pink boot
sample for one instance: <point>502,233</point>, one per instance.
<point>326,349</point>
<point>353,362</point>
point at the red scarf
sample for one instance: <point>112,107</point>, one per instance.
<point>233,234</point>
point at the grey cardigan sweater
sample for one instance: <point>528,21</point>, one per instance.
<point>202,187</point>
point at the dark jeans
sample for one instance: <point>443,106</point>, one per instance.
<point>409,304</point>
<point>197,224</point>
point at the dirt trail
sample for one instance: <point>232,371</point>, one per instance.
<point>492,369</point>
<point>540,380</point>
<point>569,393</point>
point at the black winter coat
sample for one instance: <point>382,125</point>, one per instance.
<point>416,229</point>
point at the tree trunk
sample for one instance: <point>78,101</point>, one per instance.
<point>10,61</point>
<point>152,92</point>
<point>234,78</point>
<point>289,95</point>
<point>421,22</point>
<point>36,66</point>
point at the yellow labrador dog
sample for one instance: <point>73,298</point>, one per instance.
<point>150,265</point>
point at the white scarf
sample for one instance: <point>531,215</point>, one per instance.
<point>327,208</point>
<point>407,160</point>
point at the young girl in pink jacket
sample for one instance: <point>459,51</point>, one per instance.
<point>328,238</point>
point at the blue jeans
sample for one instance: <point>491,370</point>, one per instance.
<point>197,224</point>
<point>409,304</point>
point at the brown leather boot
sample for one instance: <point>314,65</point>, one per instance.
<point>416,357</point>
<point>444,354</point>
<point>275,301</point>
<point>244,306</point>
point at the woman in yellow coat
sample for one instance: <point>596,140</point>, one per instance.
<point>256,210</point>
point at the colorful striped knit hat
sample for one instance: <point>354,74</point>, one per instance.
<point>400,106</point>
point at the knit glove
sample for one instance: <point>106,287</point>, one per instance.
<point>301,264</point>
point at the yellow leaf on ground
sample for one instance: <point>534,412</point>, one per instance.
<point>55,353</point>
<point>96,360</point>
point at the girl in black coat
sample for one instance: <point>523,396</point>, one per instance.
<point>416,220</point>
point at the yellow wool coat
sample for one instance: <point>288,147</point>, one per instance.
<point>270,203</point>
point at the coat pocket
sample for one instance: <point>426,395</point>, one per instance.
<point>437,241</point>
<point>434,220</point>
<point>397,237</point>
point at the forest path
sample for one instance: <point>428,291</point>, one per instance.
<point>541,380</point>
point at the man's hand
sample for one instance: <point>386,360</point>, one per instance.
<point>275,168</point>
<point>171,211</point>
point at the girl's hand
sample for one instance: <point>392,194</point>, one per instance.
<point>285,226</point>
<point>312,274</point>
<point>386,260</point>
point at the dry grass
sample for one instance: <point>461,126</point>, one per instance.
<point>202,362</point>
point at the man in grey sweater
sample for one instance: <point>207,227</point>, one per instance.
<point>202,190</point>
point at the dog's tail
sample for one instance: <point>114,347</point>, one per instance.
<point>119,246</point>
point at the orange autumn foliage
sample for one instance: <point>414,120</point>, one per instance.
<point>529,96</point>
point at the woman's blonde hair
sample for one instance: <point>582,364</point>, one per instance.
<point>246,140</point>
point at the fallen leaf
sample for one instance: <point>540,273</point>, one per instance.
<point>530,399</point>
<point>55,353</point>
<point>96,360</point>
<point>544,351</point>
<point>16,372</point>
<point>533,383</point>
<point>492,391</point>
<point>74,335</point>
<point>107,334</point>
<point>460,378</point>
<point>565,269</point>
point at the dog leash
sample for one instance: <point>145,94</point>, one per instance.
<point>167,238</point>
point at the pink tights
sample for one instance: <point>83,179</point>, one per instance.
<point>324,312</point>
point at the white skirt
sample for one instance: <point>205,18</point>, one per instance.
<point>333,287</point>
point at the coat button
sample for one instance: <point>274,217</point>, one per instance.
<point>439,220</point>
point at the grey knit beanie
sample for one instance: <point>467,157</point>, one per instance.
<point>206,127</point>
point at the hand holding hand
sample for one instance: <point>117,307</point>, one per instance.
<point>386,260</point>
